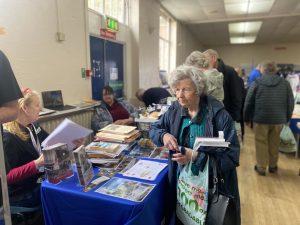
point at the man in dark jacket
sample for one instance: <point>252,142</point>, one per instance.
<point>232,87</point>
<point>9,95</point>
<point>269,104</point>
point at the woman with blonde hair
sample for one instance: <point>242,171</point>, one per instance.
<point>23,156</point>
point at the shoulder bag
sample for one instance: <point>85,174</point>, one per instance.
<point>221,206</point>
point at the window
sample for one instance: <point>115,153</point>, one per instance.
<point>117,9</point>
<point>166,42</point>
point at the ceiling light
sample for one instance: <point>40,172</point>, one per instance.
<point>242,40</point>
<point>239,7</point>
<point>244,27</point>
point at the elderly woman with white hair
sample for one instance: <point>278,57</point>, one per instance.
<point>214,78</point>
<point>196,114</point>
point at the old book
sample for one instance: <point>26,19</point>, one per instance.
<point>118,129</point>
<point>57,162</point>
<point>103,147</point>
<point>85,170</point>
<point>122,138</point>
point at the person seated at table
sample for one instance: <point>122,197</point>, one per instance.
<point>196,114</point>
<point>112,110</point>
<point>155,95</point>
<point>24,160</point>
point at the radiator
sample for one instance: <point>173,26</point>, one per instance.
<point>82,118</point>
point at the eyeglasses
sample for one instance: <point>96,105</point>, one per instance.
<point>184,91</point>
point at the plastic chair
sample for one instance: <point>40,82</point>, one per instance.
<point>19,214</point>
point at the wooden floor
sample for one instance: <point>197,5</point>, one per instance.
<point>273,199</point>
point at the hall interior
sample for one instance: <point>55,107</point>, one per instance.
<point>273,199</point>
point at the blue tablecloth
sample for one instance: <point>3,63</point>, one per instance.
<point>67,204</point>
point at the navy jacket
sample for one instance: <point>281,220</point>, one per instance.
<point>217,119</point>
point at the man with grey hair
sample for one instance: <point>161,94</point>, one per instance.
<point>269,104</point>
<point>231,85</point>
<point>233,89</point>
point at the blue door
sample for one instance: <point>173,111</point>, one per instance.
<point>107,66</point>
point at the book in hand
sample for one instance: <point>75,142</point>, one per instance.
<point>211,141</point>
<point>118,129</point>
<point>66,132</point>
<point>57,162</point>
<point>85,170</point>
<point>126,189</point>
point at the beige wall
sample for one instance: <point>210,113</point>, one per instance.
<point>38,60</point>
<point>236,55</point>
<point>186,43</point>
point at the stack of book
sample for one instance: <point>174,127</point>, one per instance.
<point>101,149</point>
<point>118,133</point>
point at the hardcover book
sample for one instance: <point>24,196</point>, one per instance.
<point>57,162</point>
<point>85,170</point>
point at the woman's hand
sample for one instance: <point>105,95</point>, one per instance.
<point>39,162</point>
<point>78,142</point>
<point>170,142</point>
<point>184,159</point>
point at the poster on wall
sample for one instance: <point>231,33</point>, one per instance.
<point>113,73</point>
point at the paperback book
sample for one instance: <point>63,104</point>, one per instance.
<point>57,162</point>
<point>127,189</point>
<point>85,170</point>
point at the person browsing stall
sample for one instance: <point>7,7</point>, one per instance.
<point>195,114</point>
<point>112,110</point>
<point>155,95</point>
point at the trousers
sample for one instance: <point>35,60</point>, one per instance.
<point>267,139</point>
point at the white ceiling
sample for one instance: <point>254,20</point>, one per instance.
<point>208,20</point>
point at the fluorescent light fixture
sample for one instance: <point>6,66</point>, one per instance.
<point>239,7</point>
<point>242,40</point>
<point>244,27</point>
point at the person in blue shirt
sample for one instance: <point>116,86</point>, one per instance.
<point>254,74</point>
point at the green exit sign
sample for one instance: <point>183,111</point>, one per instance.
<point>112,24</point>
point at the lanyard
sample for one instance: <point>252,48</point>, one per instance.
<point>35,143</point>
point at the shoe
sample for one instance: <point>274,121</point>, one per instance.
<point>259,171</point>
<point>273,169</point>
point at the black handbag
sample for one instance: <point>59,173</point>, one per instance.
<point>221,206</point>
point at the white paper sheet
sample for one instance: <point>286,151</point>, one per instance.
<point>66,132</point>
<point>145,169</point>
